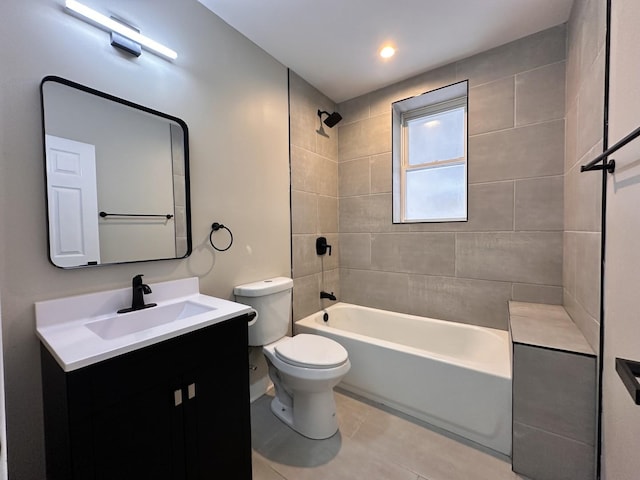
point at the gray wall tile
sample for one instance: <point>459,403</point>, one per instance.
<point>540,94</point>
<point>355,250</point>
<point>523,257</point>
<point>524,152</point>
<point>313,173</point>
<point>428,253</point>
<point>304,212</point>
<point>354,110</point>
<point>327,175</point>
<point>368,137</point>
<point>591,107</point>
<point>367,213</point>
<point>590,16</point>
<point>327,214</point>
<point>354,214</point>
<point>306,296</point>
<point>569,262</point>
<point>536,294</point>
<point>381,173</point>
<point>539,204</point>
<point>571,135</point>
<point>588,325</point>
<point>305,260</point>
<point>385,290</point>
<point>304,170</point>
<point>354,177</point>
<point>491,106</point>
<point>545,456</point>
<point>555,391</point>
<point>588,272</point>
<point>539,49</point>
<point>584,121</point>
<point>476,302</point>
<point>327,140</point>
<point>583,198</point>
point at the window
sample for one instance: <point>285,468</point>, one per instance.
<point>430,156</point>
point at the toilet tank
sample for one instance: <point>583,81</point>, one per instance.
<point>271,298</point>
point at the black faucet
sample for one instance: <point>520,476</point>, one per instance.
<point>330,296</point>
<point>139,290</point>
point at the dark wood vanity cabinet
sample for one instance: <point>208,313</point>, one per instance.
<point>178,409</point>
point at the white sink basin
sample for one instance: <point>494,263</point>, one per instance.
<point>85,329</point>
<point>139,320</point>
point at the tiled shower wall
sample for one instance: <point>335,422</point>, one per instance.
<point>584,124</point>
<point>314,196</point>
<point>511,247</point>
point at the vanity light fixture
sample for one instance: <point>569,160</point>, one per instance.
<point>117,28</point>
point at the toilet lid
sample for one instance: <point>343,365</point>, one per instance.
<point>311,351</point>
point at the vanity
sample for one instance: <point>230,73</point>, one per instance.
<point>158,393</point>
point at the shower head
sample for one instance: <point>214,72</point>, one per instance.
<point>332,118</point>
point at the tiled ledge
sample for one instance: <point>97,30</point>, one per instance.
<point>547,326</point>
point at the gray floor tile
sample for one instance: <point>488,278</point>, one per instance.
<point>373,443</point>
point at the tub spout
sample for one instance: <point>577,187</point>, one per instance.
<point>330,296</point>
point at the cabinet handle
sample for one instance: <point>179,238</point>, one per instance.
<point>191,391</point>
<point>177,397</point>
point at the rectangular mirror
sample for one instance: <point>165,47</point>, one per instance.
<point>117,178</point>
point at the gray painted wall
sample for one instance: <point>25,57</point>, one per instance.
<point>233,97</point>
<point>511,247</point>
<point>621,417</point>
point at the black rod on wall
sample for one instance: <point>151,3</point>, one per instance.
<point>611,164</point>
<point>152,215</point>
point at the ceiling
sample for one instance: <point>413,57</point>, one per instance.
<point>334,44</point>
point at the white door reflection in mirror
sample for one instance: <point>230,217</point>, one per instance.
<point>72,202</point>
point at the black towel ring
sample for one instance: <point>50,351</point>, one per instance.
<point>214,228</point>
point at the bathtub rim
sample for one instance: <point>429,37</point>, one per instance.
<point>495,368</point>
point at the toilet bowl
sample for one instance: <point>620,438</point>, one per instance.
<point>304,368</point>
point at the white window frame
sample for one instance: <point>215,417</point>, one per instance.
<point>430,103</point>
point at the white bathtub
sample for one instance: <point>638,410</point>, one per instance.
<point>451,375</point>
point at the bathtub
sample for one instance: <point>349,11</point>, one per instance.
<point>451,375</point>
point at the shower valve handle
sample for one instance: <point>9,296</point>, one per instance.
<point>322,246</point>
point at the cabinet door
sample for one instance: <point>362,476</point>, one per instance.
<point>217,416</point>
<point>135,438</point>
<point>136,426</point>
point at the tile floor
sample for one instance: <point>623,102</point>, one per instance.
<point>373,443</point>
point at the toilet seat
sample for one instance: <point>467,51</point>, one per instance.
<point>311,351</point>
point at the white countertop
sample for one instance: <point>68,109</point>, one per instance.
<point>61,323</point>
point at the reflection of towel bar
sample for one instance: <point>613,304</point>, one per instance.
<point>105,214</point>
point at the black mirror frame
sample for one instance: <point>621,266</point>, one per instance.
<point>107,96</point>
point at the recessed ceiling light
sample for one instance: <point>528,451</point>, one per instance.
<point>387,51</point>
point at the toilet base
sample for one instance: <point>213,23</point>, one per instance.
<point>315,418</point>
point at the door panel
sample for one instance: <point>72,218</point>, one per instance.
<point>73,202</point>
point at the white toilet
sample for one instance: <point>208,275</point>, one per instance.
<point>304,368</point>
